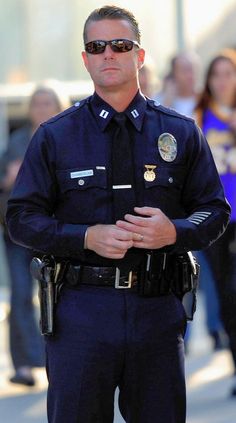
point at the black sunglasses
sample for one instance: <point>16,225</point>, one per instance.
<point>119,45</point>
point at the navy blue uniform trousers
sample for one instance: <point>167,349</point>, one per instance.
<point>108,338</point>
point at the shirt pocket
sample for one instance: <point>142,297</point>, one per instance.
<point>83,192</point>
<point>165,190</point>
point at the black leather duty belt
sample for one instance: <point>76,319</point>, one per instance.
<point>74,276</point>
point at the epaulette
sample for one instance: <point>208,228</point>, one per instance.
<point>167,111</point>
<point>70,110</point>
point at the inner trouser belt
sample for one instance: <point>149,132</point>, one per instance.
<point>75,276</point>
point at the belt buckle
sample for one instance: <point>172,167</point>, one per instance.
<point>127,284</point>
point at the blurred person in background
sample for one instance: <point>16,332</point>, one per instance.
<point>216,114</point>
<point>3,125</point>
<point>179,90</point>
<point>26,346</point>
<point>148,79</point>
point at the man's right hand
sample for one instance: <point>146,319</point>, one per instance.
<point>110,241</point>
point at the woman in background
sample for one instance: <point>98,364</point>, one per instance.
<point>26,346</point>
<point>216,115</point>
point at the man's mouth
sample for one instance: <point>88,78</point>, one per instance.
<point>109,69</point>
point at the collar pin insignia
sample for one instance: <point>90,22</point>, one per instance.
<point>104,114</point>
<point>135,113</point>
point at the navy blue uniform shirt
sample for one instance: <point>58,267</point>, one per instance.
<point>64,185</point>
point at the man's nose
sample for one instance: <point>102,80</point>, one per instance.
<point>108,53</point>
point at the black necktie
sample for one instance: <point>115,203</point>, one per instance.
<point>122,170</point>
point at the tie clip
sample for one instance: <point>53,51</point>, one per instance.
<point>121,186</point>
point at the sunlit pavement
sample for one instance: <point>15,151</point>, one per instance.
<point>208,381</point>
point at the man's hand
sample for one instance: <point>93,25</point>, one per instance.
<point>110,241</point>
<point>154,227</point>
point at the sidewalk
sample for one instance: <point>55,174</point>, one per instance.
<point>208,382</point>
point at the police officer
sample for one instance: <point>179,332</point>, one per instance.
<point>69,201</point>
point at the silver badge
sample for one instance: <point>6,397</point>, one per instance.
<point>167,147</point>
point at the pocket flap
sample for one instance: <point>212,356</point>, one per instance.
<point>82,178</point>
<point>169,176</point>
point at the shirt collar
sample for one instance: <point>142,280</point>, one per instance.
<point>103,112</point>
<point>136,110</point>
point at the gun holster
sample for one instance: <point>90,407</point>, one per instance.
<point>186,282</point>
<point>46,272</point>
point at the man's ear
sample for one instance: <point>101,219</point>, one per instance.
<point>141,57</point>
<point>85,59</point>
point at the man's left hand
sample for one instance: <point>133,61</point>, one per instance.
<point>154,227</point>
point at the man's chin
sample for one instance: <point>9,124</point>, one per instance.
<point>110,85</point>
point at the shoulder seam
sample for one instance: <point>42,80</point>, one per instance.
<point>78,105</point>
<point>169,111</point>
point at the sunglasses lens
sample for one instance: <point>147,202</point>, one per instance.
<point>95,47</point>
<point>118,46</point>
<point>121,46</point>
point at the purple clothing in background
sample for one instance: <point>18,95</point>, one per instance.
<point>223,146</point>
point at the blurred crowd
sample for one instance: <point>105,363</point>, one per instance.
<point>212,103</point>
<point>206,95</point>
<point>25,343</point>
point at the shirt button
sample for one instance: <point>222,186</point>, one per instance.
<point>80,182</point>
<point>171,180</point>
